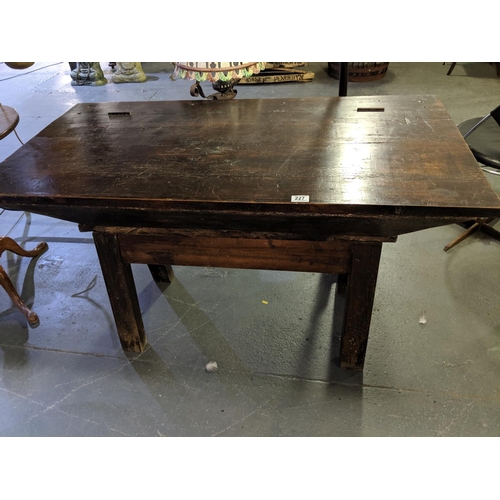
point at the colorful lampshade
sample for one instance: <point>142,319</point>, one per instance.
<point>223,75</point>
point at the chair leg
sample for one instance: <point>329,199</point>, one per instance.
<point>7,285</point>
<point>479,225</point>
<point>9,244</point>
<point>490,231</point>
<point>451,68</point>
<point>463,236</point>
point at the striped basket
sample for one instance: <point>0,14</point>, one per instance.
<point>360,71</point>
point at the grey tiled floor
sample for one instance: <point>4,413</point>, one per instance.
<point>69,376</point>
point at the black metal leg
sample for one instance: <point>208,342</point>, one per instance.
<point>343,79</point>
<point>451,68</point>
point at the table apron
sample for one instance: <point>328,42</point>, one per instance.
<point>333,256</point>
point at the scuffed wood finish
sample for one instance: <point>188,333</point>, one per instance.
<point>210,184</point>
<point>360,293</point>
<point>395,171</point>
<point>240,253</point>
<point>121,291</point>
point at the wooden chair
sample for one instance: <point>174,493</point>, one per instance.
<point>483,137</point>
<point>453,64</point>
<point>9,119</point>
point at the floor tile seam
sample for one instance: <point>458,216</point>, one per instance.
<point>431,393</point>
<point>268,374</point>
<point>88,381</point>
<point>279,376</point>
<point>90,421</point>
<point>255,373</point>
<point>18,220</point>
<point>242,419</point>
<point>21,396</point>
<point>44,408</point>
<point>156,92</point>
<point>28,74</point>
<point>427,393</point>
<point>62,351</point>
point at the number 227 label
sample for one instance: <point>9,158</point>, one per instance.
<point>300,198</point>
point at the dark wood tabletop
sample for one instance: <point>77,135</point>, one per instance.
<point>399,156</point>
<point>312,184</point>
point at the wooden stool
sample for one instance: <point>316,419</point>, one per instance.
<point>9,119</point>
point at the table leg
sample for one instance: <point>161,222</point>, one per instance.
<point>162,274</point>
<point>342,280</point>
<point>121,291</point>
<point>360,293</point>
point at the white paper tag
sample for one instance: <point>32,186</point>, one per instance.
<point>300,198</point>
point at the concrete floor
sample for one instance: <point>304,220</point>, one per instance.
<point>70,377</point>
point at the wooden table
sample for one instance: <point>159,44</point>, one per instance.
<point>312,184</point>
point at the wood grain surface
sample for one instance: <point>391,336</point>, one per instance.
<point>158,163</point>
